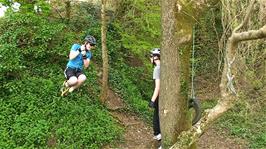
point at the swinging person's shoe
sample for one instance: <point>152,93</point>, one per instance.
<point>64,88</point>
<point>65,91</point>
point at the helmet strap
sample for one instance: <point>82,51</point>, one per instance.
<point>86,46</point>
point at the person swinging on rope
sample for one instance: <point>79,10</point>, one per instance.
<point>79,57</point>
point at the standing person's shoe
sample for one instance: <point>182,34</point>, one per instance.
<point>158,137</point>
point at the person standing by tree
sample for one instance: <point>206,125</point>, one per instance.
<point>154,103</point>
<point>79,57</point>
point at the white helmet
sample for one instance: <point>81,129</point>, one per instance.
<point>155,52</point>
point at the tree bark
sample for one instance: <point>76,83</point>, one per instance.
<point>104,91</point>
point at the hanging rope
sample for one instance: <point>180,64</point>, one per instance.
<point>193,102</point>
<point>192,65</point>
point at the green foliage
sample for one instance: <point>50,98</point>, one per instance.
<point>208,104</point>
<point>33,112</point>
<point>33,57</point>
<point>33,35</point>
<point>10,59</point>
<point>208,58</point>
<point>85,17</point>
<point>139,25</point>
<point>123,84</point>
<point>246,121</point>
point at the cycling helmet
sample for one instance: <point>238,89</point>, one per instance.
<point>90,39</point>
<point>155,52</point>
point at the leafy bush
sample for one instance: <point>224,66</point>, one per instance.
<point>10,59</point>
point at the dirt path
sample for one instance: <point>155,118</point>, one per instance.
<point>138,135</point>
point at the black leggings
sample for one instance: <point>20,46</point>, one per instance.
<point>156,121</point>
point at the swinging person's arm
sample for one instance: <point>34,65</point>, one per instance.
<point>156,90</point>
<point>73,54</point>
<point>86,62</point>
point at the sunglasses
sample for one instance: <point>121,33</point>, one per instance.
<point>91,44</point>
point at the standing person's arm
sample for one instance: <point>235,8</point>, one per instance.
<point>156,77</point>
<point>156,90</point>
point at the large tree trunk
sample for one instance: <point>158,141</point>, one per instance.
<point>176,32</point>
<point>173,108</point>
<point>104,55</point>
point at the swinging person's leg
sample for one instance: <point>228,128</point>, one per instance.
<point>70,75</point>
<point>71,80</point>
<point>81,79</point>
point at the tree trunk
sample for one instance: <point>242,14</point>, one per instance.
<point>68,10</point>
<point>177,27</point>
<point>104,91</point>
<point>172,107</point>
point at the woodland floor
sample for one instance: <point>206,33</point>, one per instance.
<point>138,134</point>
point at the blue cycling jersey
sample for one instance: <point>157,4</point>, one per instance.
<point>77,62</point>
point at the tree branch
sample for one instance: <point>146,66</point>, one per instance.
<point>249,10</point>
<point>250,35</point>
<point>58,12</point>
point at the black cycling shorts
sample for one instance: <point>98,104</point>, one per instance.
<point>70,72</point>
